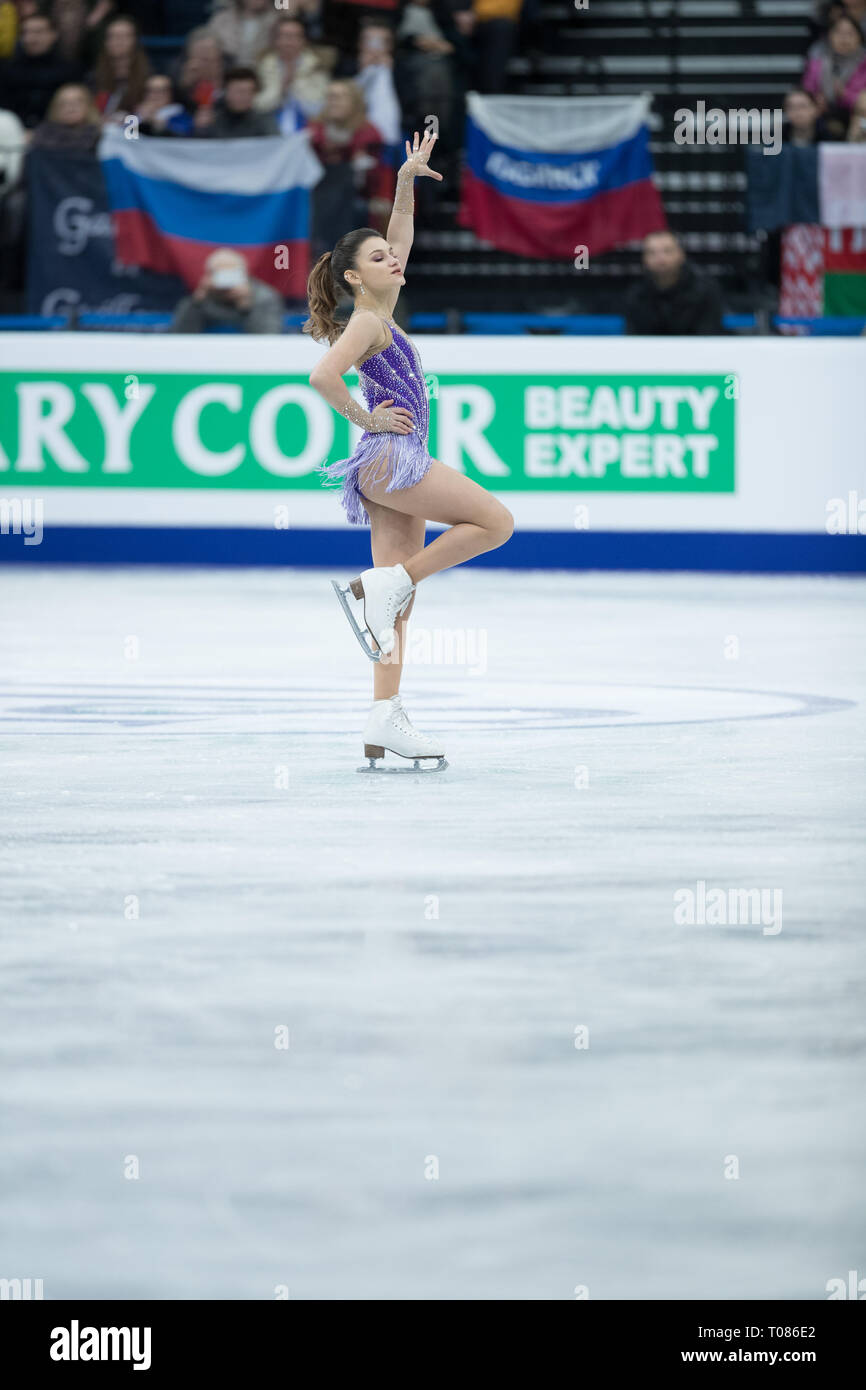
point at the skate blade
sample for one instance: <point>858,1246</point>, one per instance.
<point>417,764</point>
<point>365,638</point>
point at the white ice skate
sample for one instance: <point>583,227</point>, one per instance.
<point>389,729</point>
<point>386,591</point>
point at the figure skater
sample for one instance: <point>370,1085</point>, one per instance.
<point>391,483</point>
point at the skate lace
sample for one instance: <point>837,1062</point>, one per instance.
<point>394,606</point>
<point>404,723</point>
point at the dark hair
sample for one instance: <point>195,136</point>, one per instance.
<point>666,231</point>
<point>104,78</point>
<point>801,92</point>
<point>846,19</point>
<point>326,284</point>
<point>240,74</point>
<point>823,15</point>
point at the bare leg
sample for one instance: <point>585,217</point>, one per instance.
<point>477,521</point>
<point>394,537</point>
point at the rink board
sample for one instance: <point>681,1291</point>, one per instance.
<point>719,453</point>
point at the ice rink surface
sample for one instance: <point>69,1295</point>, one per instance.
<point>512,1070</point>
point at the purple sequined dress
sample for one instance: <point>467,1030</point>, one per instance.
<point>395,374</point>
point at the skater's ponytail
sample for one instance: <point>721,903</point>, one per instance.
<point>326,285</point>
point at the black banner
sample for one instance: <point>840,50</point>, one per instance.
<point>70,264</point>
<point>225,1339</point>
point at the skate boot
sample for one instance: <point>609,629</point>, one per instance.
<point>386,591</point>
<point>389,729</point>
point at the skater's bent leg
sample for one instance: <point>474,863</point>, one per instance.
<point>394,537</point>
<point>477,521</point>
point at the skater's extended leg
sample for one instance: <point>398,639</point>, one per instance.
<point>477,521</point>
<point>394,536</point>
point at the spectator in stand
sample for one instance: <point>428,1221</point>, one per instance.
<point>837,74</point>
<point>72,122</point>
<point>857,124</point>
<point>671,297</point>
<point>426,73</point>
<point>121,70</point>
<point>12,15</point>
<point>243,30</point>
<point>234,116</point>
<point>70,19</point>
<point>375,78</point>
<point>494,32</point>
<point>803,124</point>
<point>355,179</point>
<point>343,21</point>
<point>294,79</point>
<point>29,79</point>
<point>199,77</point>
<point>159,113</point>
<point>826,12</point>
<point>80,27</point>
<point>227,296</point>
<point>311,12</point>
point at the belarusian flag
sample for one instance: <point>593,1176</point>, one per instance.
<point>845,272</point>
<point>823,272</point>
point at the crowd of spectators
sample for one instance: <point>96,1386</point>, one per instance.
<point>835,71</point>
<point>359,76</point>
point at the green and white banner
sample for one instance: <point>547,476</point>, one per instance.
<point>604,434</point>
<point>152,429</point>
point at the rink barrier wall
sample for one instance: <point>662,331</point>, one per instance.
<point>708,453</point>
<point>732,552</point>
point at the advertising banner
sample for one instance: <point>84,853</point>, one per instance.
<point>646,433</point>
<point>621,452</point>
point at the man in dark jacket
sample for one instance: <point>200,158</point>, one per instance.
<point>671,298</point>
<point>29,79</point>
<point>227,296</point>
<point>234,117</point>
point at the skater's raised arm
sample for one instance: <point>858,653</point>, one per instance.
<point>401,228</point>
<point>362,331</point>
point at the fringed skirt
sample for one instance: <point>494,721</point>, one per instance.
<point>401,458</point>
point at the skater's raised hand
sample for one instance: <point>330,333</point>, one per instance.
<point>386,421</point>
<point>417,156</point>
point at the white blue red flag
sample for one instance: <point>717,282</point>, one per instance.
<point>173,201</point>
<point>546,175</point>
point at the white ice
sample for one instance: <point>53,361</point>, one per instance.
<point>190,861</point>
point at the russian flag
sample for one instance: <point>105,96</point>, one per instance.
<point>173,201</point>
<point>546,175</point>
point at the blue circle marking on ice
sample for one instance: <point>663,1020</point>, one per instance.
<point>520,706</point>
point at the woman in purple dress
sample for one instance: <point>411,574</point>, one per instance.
<point>391,482</point>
